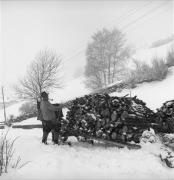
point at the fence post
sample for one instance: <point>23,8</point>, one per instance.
<point>4,105</point>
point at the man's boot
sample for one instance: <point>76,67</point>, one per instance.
<point>53,136</point>
<point>44,138</point>
<point>56,137</point>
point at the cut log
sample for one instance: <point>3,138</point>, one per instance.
<point>27,126</point>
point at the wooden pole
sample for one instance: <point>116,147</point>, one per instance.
<point>4,105</point>
<point>130,93</point>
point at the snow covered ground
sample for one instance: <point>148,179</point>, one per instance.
<point>31,121</point>
<point>83,161</point>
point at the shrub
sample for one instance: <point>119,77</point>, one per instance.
<point>6,155</point>
<point>10,120</point>
<point>28,108</point>
<point>147,73</point>
<point>131,80</point>
<point>159,69</point>
<point>170,57</point>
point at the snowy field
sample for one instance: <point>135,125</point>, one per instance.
<point>82,160</point>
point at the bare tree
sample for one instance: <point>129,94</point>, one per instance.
<point>105,55</point>
<point>43,74</point>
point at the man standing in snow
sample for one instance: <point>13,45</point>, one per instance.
<point>48,117</point>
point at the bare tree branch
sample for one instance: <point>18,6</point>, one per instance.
<point>104,55</point>
<point>43,74</point>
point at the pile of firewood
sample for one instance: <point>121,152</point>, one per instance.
<point>121,119</point>
<point>165,117</point>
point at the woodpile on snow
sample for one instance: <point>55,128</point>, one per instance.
<point>165,117</point>
<point>109,118</point>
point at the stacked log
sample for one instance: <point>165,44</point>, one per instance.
<point>109,118</point>
<point>165,117</point>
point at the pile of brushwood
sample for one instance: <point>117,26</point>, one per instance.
<point>100,116</point>
<point>165,117</point>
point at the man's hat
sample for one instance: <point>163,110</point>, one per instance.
<point>44,94</point>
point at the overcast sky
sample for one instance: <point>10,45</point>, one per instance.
<point>67,27</point>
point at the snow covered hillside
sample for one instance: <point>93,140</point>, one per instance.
<point>70,90</point>
<point>147,54</point>
<point>157,92</point>
<point>154,93</point>
<point>11,110</point>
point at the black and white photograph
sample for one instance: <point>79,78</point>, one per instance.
<point>86,89</point>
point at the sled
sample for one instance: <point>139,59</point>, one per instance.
<point>115,143</point>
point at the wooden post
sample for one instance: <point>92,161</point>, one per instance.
<point>130,93</point>
<point>4,105</point>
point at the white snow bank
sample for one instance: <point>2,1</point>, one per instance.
<point>30,121</point>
